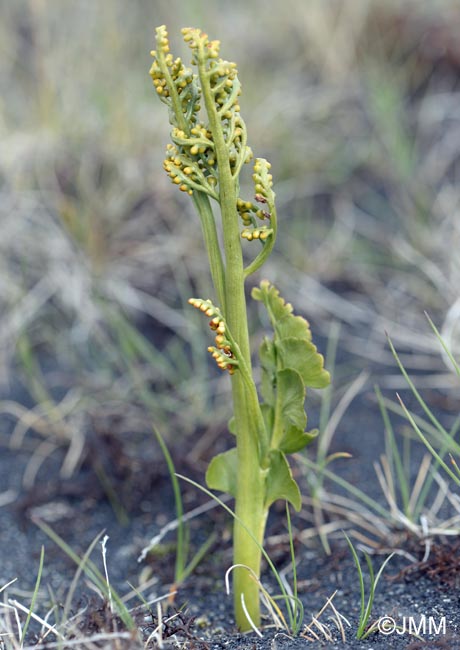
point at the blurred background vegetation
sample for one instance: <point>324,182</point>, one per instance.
<point>356,104</point>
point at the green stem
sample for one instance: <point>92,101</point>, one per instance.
<point>208,227</point>
<point>250,511</point>
<point>267,246</point>
<point>250,507</point>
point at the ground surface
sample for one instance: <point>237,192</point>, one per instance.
<point>78,509</point>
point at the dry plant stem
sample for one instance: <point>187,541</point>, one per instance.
<point>249,504</point>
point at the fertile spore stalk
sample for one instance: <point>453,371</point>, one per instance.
<point>205,159</point>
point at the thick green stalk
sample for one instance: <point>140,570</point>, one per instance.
<point>250,507</point>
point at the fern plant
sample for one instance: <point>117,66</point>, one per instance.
<point>205,158</point>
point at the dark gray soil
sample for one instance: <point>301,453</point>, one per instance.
<point>78,509</point>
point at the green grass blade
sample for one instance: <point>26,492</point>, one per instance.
<point>374,583</point>
<point>370,600</point>
<point>34,595</point>
<point>110,492</point>
<point>380,571</point>
<point>446,443</point>
<point>297,615</point>
<point>361,584</point>
<point>454,463</point>
<point>416,394</point>
<point>352,489</point>
<point>33,373</point>
<point>139,345</point>
<point>427,444</point>
<point>444,346</point>
<point>366,608</point>
<point>182,550</point>
<point>78,572</point>
<point>393,453</point>
<point>93,574</point>
<point>199,555</point>
<point>430,479</point>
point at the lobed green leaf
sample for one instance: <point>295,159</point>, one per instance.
<point>302,356</point>
<point>290,363</point>
<point>280,483</point>
<point>222,472</point>
<point>291,395</point>
<point>291,392</point>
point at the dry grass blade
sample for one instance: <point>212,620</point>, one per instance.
<point>272,608</point>
<point>385,526</point>
<point>356,386</point>
<point>45,625</point>
<point>316,630</point>
<point>89,642</point>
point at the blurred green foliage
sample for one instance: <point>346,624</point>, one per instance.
<point>355,104</point>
